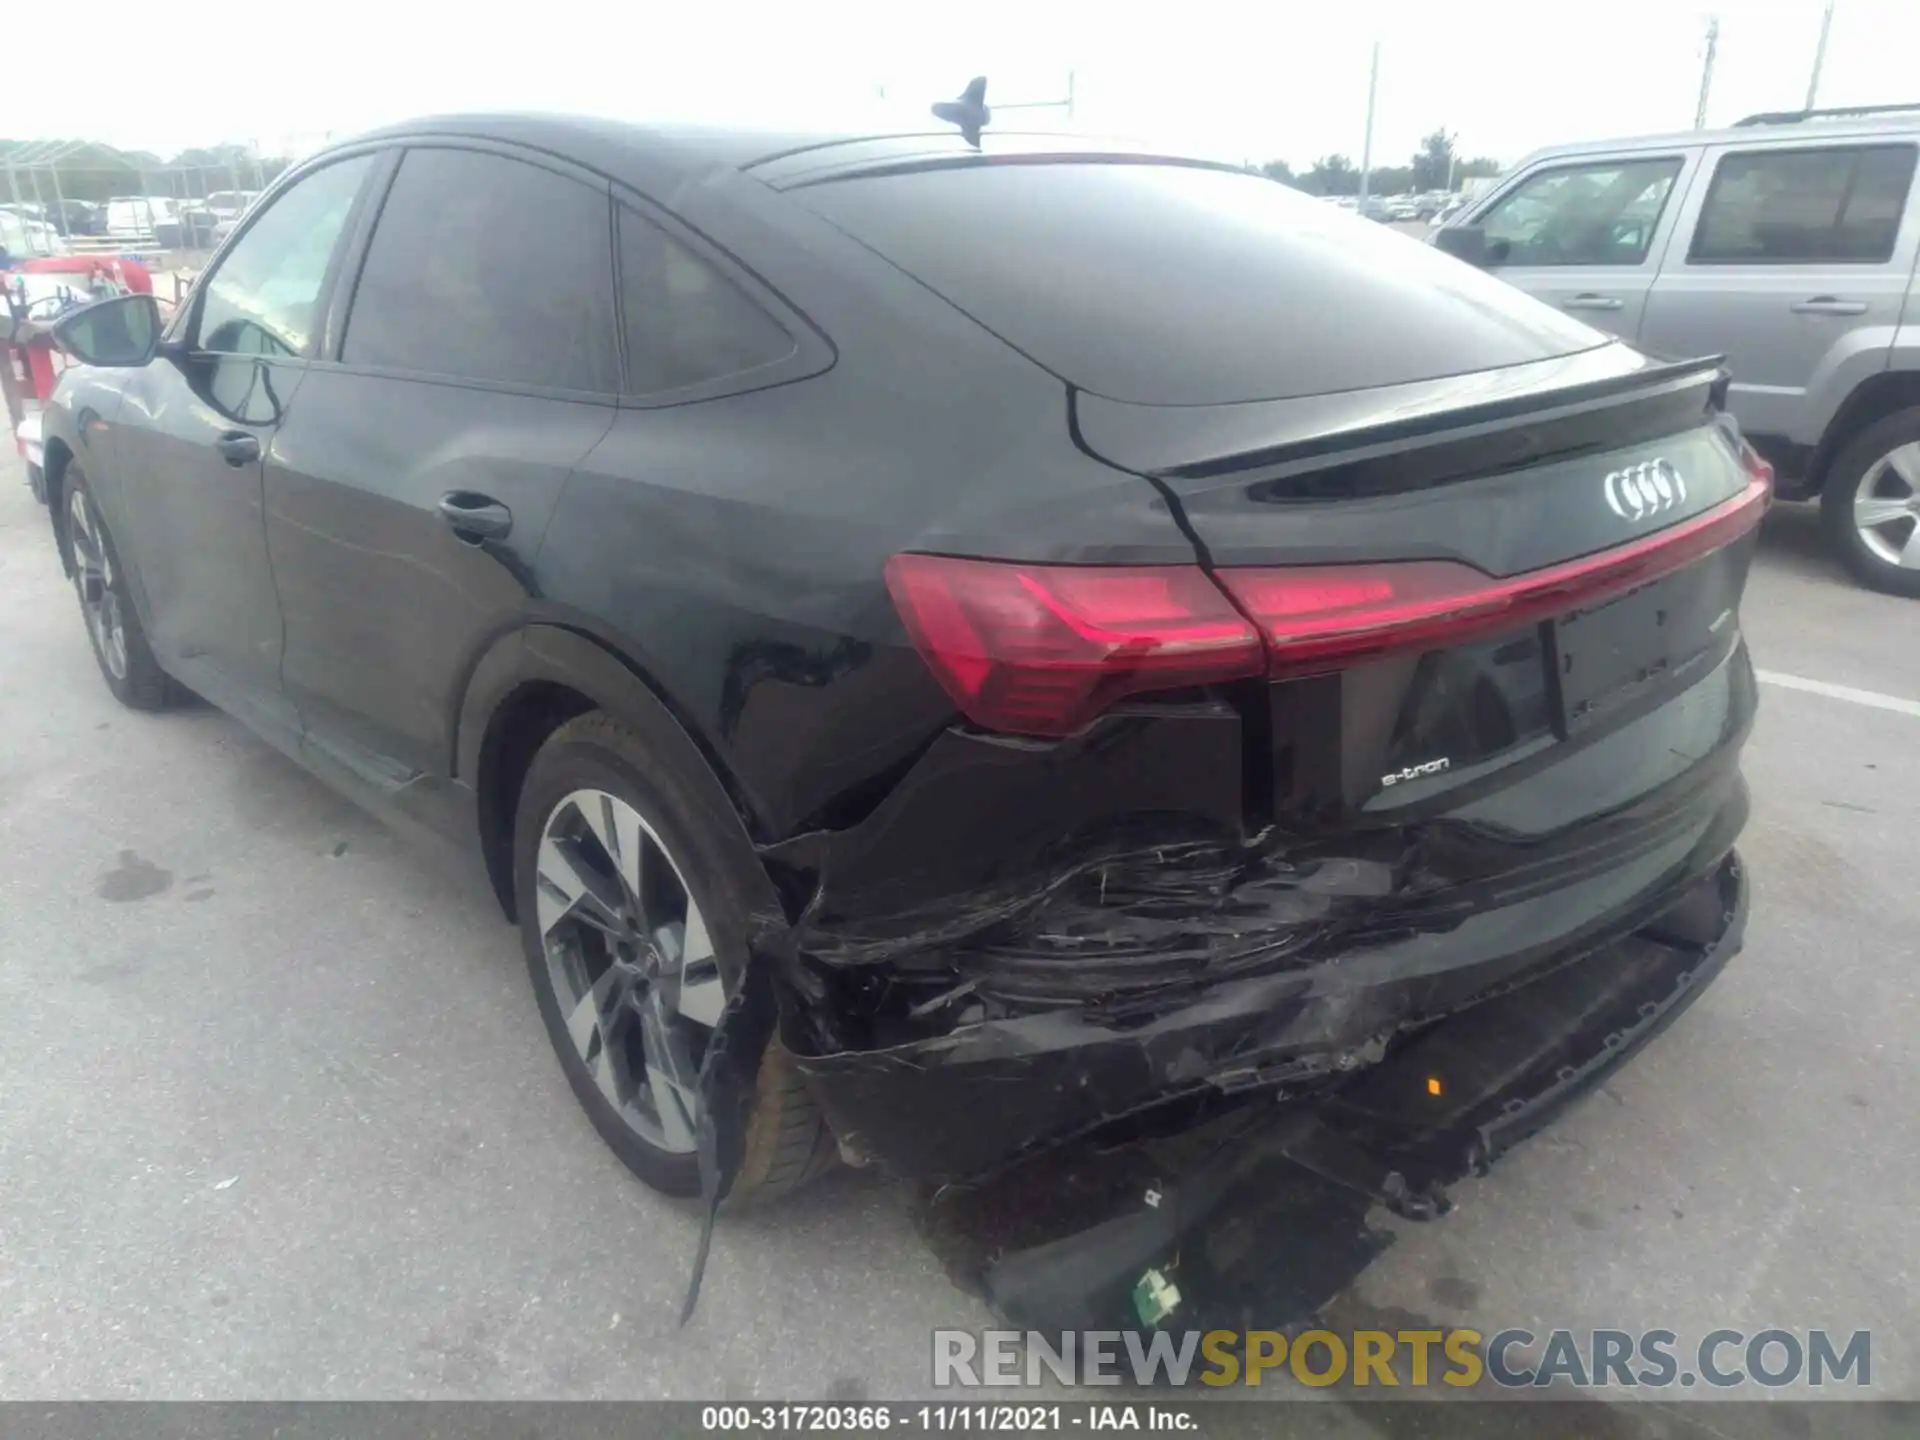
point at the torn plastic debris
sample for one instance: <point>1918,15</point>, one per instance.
<point>1262,1211</point>
<point>1261,1216</point>
<point>962,999</point>
<point>1089,931</point>
<point>726,1087</point>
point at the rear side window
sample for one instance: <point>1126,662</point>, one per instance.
<point>1784,207</point>
<point>1180,285</point>
<point>1602,214</point>
<point>686,323</point>
<point>483,267</point>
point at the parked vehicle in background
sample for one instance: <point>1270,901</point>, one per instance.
<point>229,204</point>
<point>25,231</point>
<point>136,216</point>
<point>77,217</point>
<point>226,207</point>
<point>1114,712</point>
<point>1402,207</point>
<point>192,228</point>
<point>1788,243</point>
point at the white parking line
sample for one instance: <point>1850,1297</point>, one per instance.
<point>1870,698</point>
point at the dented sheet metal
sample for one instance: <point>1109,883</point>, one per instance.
<point>1268,1206</point>
<point>959,1000</point>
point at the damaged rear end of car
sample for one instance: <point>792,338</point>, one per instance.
<point>1426,777</point>
<point>1447,698</point>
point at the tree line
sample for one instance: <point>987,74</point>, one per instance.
<point>94,172</point>
<point>1436,165</point>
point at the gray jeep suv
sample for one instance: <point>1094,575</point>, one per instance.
<point>1788,244</point>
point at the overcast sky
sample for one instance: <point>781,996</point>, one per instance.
<point>1251,81</point>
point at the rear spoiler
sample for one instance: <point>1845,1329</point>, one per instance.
<point>1375,443</point>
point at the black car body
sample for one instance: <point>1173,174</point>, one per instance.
<point>1157,639</point>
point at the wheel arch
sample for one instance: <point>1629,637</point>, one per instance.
<point>1884,393</point>
<point>535,679</point>
<point>53,474</point>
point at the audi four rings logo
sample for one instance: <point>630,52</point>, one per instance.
<point>1642,490</point>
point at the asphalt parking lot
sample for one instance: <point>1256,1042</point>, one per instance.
<point>277,1118</point>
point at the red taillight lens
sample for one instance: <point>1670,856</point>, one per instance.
<point>1042,649</point>
<point>1320,617</point>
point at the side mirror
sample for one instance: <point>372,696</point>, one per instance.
<point>121,332</point>
<point>1463,242</point>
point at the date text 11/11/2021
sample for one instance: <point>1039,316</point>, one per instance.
<point>944,1418</point>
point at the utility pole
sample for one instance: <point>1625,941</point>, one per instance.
<point>1819,55</point>
<point>1706,72</point>
<point>1366,143</point>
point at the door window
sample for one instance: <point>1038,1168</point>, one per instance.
<point>1787,207</point>
<point>484,267</point>
<point>264,298</point>
<point>686,323</point>
<point>1600,214</point>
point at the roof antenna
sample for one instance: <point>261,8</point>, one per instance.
<point>969,112</point>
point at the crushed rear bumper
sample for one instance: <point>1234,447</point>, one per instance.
<point>959,1106</point>
<point>1268,1206</point>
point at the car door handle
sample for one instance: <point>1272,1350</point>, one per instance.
<point>1829,305</point>
<point>1593,302</point>
<point>238,448</point>
<point>475,517</point>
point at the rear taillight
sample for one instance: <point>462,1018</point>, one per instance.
<point>1322,617</point>
<point>1042,649</point>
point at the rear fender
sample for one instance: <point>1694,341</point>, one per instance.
<point>1852,361</point>
<point>556,655</point>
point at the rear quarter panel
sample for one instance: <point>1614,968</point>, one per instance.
<point>734,548</point>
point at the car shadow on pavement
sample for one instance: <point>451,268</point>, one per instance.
<point>1791,535</point>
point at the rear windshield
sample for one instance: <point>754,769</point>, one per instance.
<point>1178,285</point>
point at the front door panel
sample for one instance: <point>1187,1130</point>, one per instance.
<point>195,523</point>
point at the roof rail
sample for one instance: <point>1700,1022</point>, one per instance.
<point>1794,117</point>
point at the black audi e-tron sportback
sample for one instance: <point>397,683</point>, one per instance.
<point>985,646</point>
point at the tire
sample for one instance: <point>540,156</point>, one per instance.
<point>1870,469</point>
<point>113,624</point>
<point>611,934</point>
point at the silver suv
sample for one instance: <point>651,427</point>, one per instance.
<point>1787,244</point>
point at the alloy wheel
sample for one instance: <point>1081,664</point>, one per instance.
<point>631,963</point>
<point>93,578</point>
<point>1886,508</point>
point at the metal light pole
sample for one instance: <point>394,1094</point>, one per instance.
<point>1819,55</point>
<point>1706,72</point>
<point>1366,143</point>
<point>1066,104</point>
